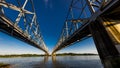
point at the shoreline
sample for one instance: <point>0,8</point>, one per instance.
<point>72,54</point>
<point>22,55</point>
<point>37,55</point>
<point>3,65</point>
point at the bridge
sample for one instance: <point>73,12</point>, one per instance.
<point>20,21</point>
<point>99,19</point>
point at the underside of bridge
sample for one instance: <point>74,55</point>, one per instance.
<point>104,27</point>
<point>106,34</point>
<point>12,31</point>
<point>24,26</point>
<point>107,46</point>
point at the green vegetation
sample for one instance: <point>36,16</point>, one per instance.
<point>75,54</point>
<point>2,65</point>
<point>38,55</point>
<point>21,55</point>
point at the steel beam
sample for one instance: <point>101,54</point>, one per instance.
<point>28,29</point>
<point>105,46</point>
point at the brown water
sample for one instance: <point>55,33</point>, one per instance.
<point>54,62</point>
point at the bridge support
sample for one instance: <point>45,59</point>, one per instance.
<point>105,45</point>
<point>53,54</point>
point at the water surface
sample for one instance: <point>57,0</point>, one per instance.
<point>54,62</point>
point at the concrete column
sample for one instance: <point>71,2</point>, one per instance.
<point>108,53</point>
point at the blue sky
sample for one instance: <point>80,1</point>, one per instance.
<point>51,16</point>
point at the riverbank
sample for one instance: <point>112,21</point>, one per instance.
<point>21,55</point>
<point>41,55</point>
<point>76,54</point>
<point>3,65</point>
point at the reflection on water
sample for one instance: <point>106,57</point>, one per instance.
<point>54,62</point>
<point>57,64</point>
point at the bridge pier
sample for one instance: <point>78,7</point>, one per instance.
<point>53,54</point>
<point>105,44</point>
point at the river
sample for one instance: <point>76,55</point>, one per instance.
<point>54,62</point>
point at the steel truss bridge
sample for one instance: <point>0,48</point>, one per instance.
<point>99,19</point>
<point>18,19</point>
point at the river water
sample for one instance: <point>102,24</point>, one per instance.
<point>54,62</point>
